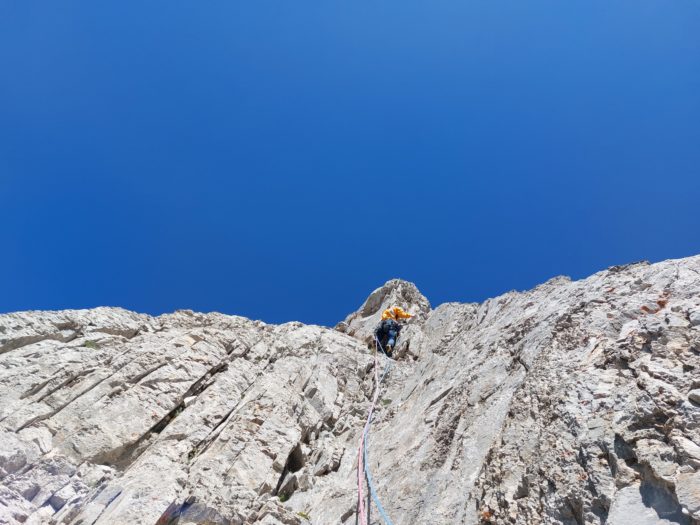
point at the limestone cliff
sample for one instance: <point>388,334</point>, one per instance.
<point>577,402</point>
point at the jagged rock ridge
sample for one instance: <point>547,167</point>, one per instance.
<point>573,403</point>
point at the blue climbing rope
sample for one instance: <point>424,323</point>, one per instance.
<point>370,483</point>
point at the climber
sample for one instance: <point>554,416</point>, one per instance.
<point>387,332</point>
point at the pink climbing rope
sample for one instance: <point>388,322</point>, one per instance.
<point>360,464</point>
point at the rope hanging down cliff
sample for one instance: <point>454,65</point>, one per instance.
<point>362,454</point>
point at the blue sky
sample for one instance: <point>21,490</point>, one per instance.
<point>280,160</point>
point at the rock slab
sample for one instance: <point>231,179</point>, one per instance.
<point>573,403</point>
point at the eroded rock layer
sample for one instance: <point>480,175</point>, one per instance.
<point>575,403</point>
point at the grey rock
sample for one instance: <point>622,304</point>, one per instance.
<point>637,505</point>
<point>688,492</point>
<point>62,496</point>
<point>694,317</point>
<point>572,403</point>
<point>694,396</point>
<point>14,453</point>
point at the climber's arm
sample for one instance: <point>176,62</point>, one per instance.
<point>401,314</point>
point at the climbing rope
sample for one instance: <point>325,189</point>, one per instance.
<point>370,485</point>
<point>362,455</point>
<point>360,449</point>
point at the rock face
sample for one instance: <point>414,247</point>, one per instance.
<point>573,403</point>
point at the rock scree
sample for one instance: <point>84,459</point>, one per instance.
<point>577,402</point>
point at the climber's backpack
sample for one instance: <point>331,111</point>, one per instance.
<point>388,325</point>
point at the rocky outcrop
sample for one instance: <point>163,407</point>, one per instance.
<point>577,402</point>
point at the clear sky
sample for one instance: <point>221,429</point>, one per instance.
<point>280,160</point>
